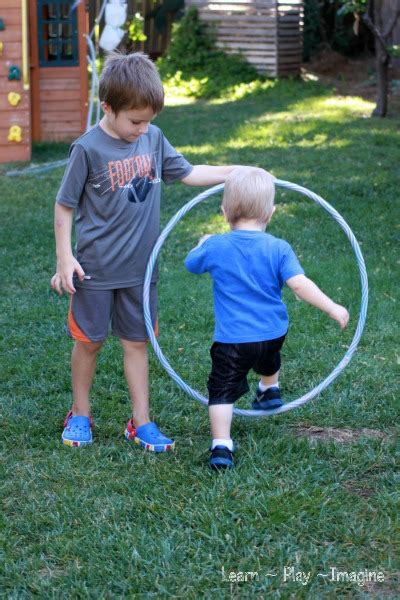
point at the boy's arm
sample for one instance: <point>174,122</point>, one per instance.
<point>208,175</point>
<point>306,289</point>
<point>67,264</point>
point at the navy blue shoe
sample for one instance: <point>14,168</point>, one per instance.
<point>221,458</point>
<point>267,400</point>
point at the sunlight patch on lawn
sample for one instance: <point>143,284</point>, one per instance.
<point>200,150</point>
<point>277,137</point>
<point>177,100</point>
<point>242,90</point>
<point>337,108</point>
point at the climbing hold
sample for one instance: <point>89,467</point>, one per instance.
<point>2,26</point>
<point>1,48</point>
<point>14,72</point>
<point>15,134</point>
<point>14,98</point>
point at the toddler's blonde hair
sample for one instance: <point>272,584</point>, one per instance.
<point>249,194</point>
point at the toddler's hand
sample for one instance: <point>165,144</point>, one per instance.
<point>340,314</point>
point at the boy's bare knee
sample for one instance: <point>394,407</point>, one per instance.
<point>89,347</point>
<point>130,346</point>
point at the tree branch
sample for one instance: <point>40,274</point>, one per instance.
<point>377,34</point>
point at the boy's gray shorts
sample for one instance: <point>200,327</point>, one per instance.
<point>92,311</point>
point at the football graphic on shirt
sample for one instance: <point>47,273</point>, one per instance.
<point>139,187</point>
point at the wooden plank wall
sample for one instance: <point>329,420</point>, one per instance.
<point>59,94</point>
<point>247,27</point>
<point>11,38</point>
<point>290,37</point>
<point>266,32</point>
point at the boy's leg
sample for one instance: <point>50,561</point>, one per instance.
<point>83,366</point>
<point>137,376</point>
<point>88,320</point>
<point>140,429</point>
<point>127,323</point>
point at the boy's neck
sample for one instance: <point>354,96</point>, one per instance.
<point>247,225</point>
<point>105,126</point>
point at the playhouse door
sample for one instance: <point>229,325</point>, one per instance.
<point>58,69</point>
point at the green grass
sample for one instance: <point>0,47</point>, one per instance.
<point>111,521</point>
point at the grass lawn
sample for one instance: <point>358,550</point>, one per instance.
<point>111,521</point>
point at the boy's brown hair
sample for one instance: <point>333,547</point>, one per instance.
<point>248,194</point>
<point>130,81</point>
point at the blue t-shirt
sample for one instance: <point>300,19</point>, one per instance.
<point>248,269</point>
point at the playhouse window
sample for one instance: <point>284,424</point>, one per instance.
<point>57,33</point>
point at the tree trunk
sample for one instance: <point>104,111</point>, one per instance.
<point>382,79</point>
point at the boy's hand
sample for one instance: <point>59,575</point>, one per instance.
<point>340,314</point>
<point>203,239</point>
<point>62,279</point>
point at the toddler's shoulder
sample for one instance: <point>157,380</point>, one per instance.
<point>276,242</point>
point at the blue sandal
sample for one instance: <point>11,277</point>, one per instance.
<point>149,437</point>
<point>77,431</point>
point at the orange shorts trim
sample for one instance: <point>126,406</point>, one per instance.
<point>75,330</point>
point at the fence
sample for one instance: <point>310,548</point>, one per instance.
<point>156,42</point>
<point>267,32</point>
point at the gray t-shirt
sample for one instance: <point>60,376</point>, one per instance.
<point>115,187</point>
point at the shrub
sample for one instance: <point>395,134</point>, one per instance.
<point>196,67</point>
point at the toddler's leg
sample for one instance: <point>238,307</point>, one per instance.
<point>267,381</point>
<point>268,395</point>
<point>220,416</point>
<point>83,366</point>
<point>268,364</point>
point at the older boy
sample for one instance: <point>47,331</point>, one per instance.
<point>249,268</point>
<point>113,182</point>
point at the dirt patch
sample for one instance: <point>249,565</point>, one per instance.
<point>336,435</point>
<point>356,488</point>
<point>387,589</point>
<point>353,76</point>
<point>48,572</point>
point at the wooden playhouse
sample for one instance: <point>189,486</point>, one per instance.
<point>43,74</point>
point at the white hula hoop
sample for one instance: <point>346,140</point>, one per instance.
<point>361,320</point>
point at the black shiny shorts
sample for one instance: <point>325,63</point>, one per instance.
<point>231,364</point>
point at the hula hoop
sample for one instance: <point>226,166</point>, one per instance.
<point>361,320</point>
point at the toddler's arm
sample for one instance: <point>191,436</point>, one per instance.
<point>67,264</point>
<point>202,240</point>
<point>306,289</point>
